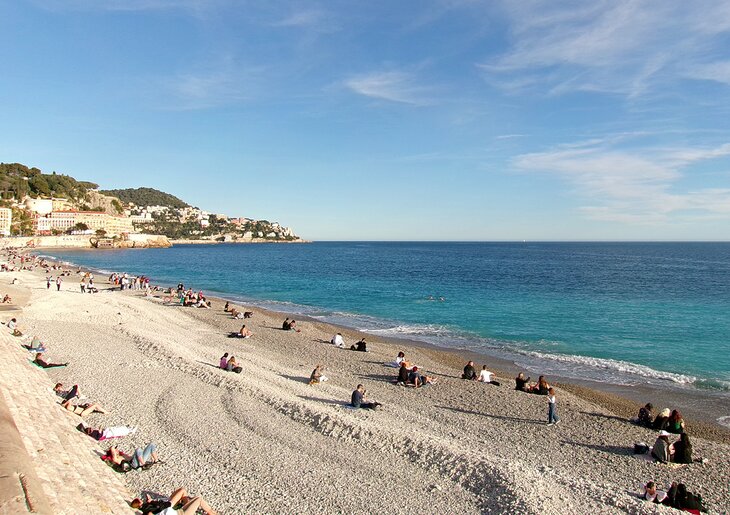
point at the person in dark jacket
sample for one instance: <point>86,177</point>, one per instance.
<point>683,449</point>
<point>469,372</point>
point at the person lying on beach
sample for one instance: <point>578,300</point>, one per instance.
<point>469,372</point>
<point>356,401</point>
<point>317,376</point>
<point>44,364</point>
<point>179,503</point>
<point>646,415</point>
<point>224,361</point>
<point>521,383</point>
<point>108,433</point>
<point>661,419</point>
<point>485,376</point>
<point>662,450</point>
<point>652,494</point>
<point>232,365</point>
<point>337,341</point>
<point>139,459</point>
<point>83,409</point>
<point>682,450</point>
<point>360,346</point>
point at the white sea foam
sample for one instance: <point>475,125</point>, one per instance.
<point>724,421</point>
<point>611,365</point>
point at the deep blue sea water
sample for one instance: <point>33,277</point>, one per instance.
<point>626,313</point>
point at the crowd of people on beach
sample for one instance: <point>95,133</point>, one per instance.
<point>668,423</point>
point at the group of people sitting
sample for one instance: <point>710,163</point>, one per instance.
<point>523,385</point>
<point>230,364</point>
<point>677,497</point>
<point>484,376</point>
<point>666,420</point>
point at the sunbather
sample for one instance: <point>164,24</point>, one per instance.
<point>140,458</point>
<point>108,433</point>
<point>44,364</point>
<point>83,409</point>
<point>179,503</point>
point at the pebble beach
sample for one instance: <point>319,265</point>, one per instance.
<point>265,441</point>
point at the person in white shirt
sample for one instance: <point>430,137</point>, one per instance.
<point>485,376</point>
<point>337,341</point>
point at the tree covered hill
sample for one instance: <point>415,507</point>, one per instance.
<point>146,197</point>
<point>17,181</point>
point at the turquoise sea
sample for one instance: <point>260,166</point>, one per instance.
<point>624,313</point>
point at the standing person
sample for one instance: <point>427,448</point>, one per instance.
<point>58,283</point>
<point>83,284</point>
<point>48,282</point>
<point>552,413</point>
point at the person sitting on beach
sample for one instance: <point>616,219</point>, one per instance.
<point>13,326</point>
<point>44,364</point>
<point>108,433</point>
<point>646,415</point>
<point>232,366</point>
<point>485,376</point>
<point>661,450</point>
<point>286,325</point>
<point>317,376</point>
<point>337,341</point>
<point>541,387</point>
<point>651,493</point>
<point>360,346</point>
<point>7,299</point>
<point>682,449</point>
<point>225,308</point>
<point>400,359</point>
<point>35,345</point>
<point>660,421</point>
<point>139,459</point>
<point>179,503</point>
<point>356,401</point>
<point>224,361</point>
<point>675,423</point>
<point>403,374</point>
<point>416,379</point>
<point>680,498</point>
<point>244,332</point>
<point>521,383</point>
<point>469,372</point>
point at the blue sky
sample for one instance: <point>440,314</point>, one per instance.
<point>426,120</point>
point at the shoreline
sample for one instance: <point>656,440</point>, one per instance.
<point>703,407</point>
<point>264,441</point>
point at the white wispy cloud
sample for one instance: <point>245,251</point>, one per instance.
<point>394,86</point>
<point>129,5</point>
<point>510,136</point>
<point>616,46</point>
<point>633,186</point>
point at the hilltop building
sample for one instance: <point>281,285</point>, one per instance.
<point>6,219</point>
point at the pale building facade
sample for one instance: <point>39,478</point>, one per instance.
<point>6,220</point>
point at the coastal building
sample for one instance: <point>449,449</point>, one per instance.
<point>41,206</point>
<point>6,220</point>
<point>63,221</point>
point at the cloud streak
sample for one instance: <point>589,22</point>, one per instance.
<point>633,187</point>
<point>612,46</point>
<point>393,86</point>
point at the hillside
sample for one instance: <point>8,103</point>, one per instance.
<point>17,181</point>
<point>145,197</point>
